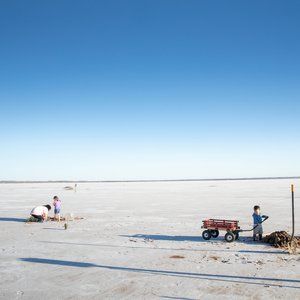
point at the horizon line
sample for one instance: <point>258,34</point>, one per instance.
<point>150,180</point>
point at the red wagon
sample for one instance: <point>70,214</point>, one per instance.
<point>232,228</point>
<point>213,226</point>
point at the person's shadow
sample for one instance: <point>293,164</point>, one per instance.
<point>2,219</point>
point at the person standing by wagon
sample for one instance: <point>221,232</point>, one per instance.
<point>57,208</point>
<point>257,223</point>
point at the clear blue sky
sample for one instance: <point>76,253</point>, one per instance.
<point>149,89</point>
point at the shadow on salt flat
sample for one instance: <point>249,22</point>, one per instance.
<point>167,249</point>
<point>51,228</point>
<point>270,281</point>
<point>161,237</point>
<point>8,219</point>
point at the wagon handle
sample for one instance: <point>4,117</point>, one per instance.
<point>265,219</point>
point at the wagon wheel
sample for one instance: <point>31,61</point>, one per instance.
<point>229,237</point>
<point>206,235</point>
<point>215,233</point>
<point>237,235</point>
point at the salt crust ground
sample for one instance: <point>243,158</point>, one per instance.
<point>122,249</point>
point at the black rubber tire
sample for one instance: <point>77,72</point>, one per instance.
<point>237,235</point>
<point>215,233</point>
<point>229,237</point>
<point>206,235</point>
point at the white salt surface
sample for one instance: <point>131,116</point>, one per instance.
<point>123,247</point>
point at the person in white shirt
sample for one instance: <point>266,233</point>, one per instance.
<point>41,212</point>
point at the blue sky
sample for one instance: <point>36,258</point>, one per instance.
<point>149,89</point>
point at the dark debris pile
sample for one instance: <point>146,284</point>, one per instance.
<point>281,239</point>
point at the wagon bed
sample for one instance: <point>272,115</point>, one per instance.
<point>218,224</point>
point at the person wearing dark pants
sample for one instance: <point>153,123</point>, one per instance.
<point>257,223</point>
<point>41,212</point>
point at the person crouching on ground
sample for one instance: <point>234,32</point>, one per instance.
<point>257,223</point>
<point>57,207</point>
<point>41,212</point>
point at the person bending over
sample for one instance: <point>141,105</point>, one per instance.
<point>41,212</point>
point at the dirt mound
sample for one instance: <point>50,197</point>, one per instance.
<point>64,219</point>
<point>68,188</point>
<point>176,256</point>
<point>281,239</point>
<point>33,220</point>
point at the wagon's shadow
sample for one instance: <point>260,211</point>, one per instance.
<point>162,237</point>
<point>185,238</point>
<point>215,249</point>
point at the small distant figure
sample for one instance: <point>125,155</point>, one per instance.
<point>257,223</point>
<point>75,187</point>
<point>57,207</point>
<point>41,212</point>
